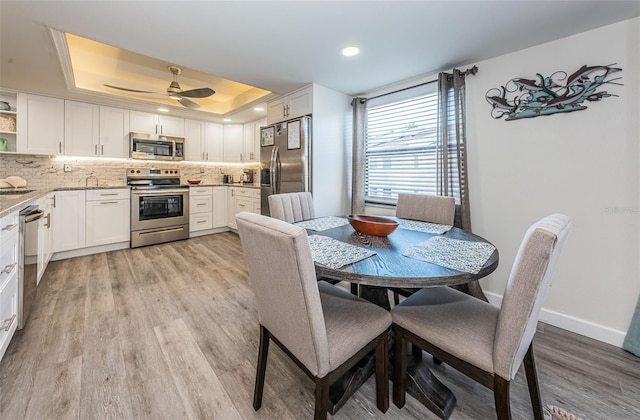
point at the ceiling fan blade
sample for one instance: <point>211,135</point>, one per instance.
<point>188,103</point>
<point>129,90</point>
<point>198,93</point>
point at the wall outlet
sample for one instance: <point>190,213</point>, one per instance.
<point>201,170</point>
<point>67,167</point>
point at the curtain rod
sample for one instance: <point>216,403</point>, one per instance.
<point>473,70</point>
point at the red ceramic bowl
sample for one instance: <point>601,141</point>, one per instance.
<point>194,181</point>
<point>372,225</point>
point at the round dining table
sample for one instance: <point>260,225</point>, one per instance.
<point>390,269</point>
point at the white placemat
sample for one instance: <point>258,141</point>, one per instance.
<point>452,253</point>
<point>425,227</point>
<point>335,254</point>
<point>322,223</point>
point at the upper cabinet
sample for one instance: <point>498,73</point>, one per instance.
<point>293,105</point>
<point>114,132</point>
<point>8,132</point>
<point>162,125</point>
<point>252,140</point>
<point>233,139</point>
<point>40,125</point>
<point>81,128</point>
<point>203,141</point>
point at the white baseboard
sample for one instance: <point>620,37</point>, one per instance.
<point>63,255</point>
<point>570,323</point>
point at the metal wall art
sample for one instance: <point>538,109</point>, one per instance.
<point>526,98</point>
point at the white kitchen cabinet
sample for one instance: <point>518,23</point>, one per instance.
<point>45,235</point>
<point>114,133</point>
<point>251,145</point>
<point>8,296</point>
<point>40,125</point>
<point>203,141</point>
<point>69,221</point>
<point>242,199</point>
<point>293,105</point>
<point>108,213</point>
<point>219,218</point>
<point>81,128</point>
<point>9,122</point>
<point>233,142</point>
<point>162,125</point>
<point>200,208</point>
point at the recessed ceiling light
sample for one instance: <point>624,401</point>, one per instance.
<point>226,119</point>
<point>258,108</point>
<point>163,110</point>
<point>350,51</point>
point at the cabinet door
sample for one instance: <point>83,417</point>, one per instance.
<point>81,128</point>
<point>45,237</point>
<point>213,142</point>
<point>143,122</point>
<point>114,132</point>
<point>276,111</point>
<point>170,126</point>
<point>231,208</point>
<point>107,222</point>
<point>300,103</point>
<point>68,224</point>
<point>40,125</point>
<point>248,142</point>
<point>194,140</point>
<point>233,144</point>
<point>219,207</point>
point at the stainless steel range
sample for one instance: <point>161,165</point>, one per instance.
<point>159,206</point>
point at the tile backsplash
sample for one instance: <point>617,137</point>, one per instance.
<point>48,172</point>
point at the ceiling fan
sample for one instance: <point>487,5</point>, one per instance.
<point>175,92</point>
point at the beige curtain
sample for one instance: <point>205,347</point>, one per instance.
<point>359,129</point>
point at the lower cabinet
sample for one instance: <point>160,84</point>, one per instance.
<point>219,219</point>
<point>242,199</point>
<point>45,236</point>
<point>207,208</point>
<point>69,221</point>
<point>108,213</point>
<point>8,279</point>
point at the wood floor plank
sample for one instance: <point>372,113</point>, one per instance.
<point>198,386</point>
<point>56,391</point>
<point>99,293</point>
<point>104,386</point>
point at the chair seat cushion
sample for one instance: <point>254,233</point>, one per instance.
<point>459,324</point>
<point>351,322</point>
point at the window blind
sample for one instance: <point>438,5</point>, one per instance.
<point>400,147</point>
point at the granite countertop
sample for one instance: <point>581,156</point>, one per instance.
<point>10,203</point>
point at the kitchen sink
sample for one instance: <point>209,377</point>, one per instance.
<point>15,192</point>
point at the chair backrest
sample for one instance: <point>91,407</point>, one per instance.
<point>529,281</point>
<point>291,207</point>
<point>284,282</point>
<point>427,208</point>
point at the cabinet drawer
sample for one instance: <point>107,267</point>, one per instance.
<point>200,204</point>
<point>200,191</point>
<point>246,192</point>
<point>243,204</point>
<point>8,226</point>
<point>108,194</point>
<point>8,258</point>
<point>8,312</point>
<point>200,221</point>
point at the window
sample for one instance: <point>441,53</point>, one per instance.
<point>400,145</point>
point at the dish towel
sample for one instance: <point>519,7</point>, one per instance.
<point>335,254</point>
<point>452,253</point>
<point>322,223</point>
<point>425,227</point>
<point>632,339</point>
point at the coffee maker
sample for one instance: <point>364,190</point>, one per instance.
<point>247,176</point>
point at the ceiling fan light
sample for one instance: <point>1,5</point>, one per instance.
<point>175,95</point>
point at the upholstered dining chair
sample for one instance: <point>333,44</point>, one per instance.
<point>424,208</point>
<point>484,342</point>
<point>291,207</point>
<point>325,330</point>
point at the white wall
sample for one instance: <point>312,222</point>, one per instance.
<point>584,164</point>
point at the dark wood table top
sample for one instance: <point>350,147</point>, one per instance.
<point>389,268</point>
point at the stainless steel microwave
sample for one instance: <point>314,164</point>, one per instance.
<point>154,147</point>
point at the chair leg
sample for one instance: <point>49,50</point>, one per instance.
<point>382,373</point>
<point>501,397</point>
<point>322,398</point>
<point>416,352</point>
<point>396,298</point>
<point>532,382</point>
<point>354,289</point>
<point>262,368</point>
<point>399,370</point>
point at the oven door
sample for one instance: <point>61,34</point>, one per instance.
<point>159,208</point>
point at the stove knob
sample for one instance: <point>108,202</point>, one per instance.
<point>132,171</point>
<point>138,171</point>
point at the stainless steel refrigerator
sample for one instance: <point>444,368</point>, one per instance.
<point>285,156</point>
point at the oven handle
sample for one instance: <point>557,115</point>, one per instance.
<point>160,192</point>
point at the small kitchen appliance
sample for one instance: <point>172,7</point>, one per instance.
<point>159,206</point>
<point>154,147</point>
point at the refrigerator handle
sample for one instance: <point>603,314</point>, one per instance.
<point>272,170</point>
<point>278,170</point>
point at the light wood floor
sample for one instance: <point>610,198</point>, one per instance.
<point>170,332</point>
